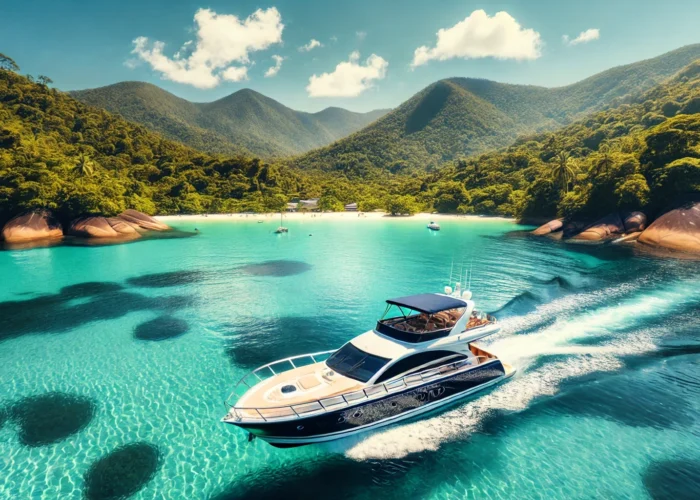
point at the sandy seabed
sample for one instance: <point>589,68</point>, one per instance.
<point>334,216</point>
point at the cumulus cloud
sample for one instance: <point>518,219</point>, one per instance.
<point>584,37</point>
<point>480,35</point>
<point>221,39</point>
<point>350,77</point>
<point>273,70</point>
<point>310,46</point>
<point>235,73</point>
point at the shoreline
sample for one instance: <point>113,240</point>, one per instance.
<point>334,216</point>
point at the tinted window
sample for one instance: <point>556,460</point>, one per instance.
<point>355,363</point>
<point>414,361</point>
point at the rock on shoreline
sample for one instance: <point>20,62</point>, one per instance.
<point>32,226</point>
<point>43,225</point>
<point>677,229</point>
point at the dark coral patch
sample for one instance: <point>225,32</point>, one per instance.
<point>89,289</point>
<point>276,268</point>
<point>122,472</point>
<point>165,280</point>
<point>253,341</point>
<point>673,480</point>
<point>49,418</point>
<point>162,328</point>
<point>3,416</point>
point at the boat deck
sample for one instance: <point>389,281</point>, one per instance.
<point>311,386</point>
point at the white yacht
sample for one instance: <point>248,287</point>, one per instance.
<point>420,356</point>
<point>434,226</point>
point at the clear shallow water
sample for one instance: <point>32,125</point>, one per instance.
<point>606,402</point>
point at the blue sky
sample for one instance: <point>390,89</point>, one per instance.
<point>82,44</point>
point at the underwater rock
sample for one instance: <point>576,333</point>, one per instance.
<point>550,227</point>
<point>31,226</point>
<point>277,268</point>
<point>162,328</point>
<point>122,472</point>
<point>678,230</point>
<point>143,221</point>
<point>48,418</point>
<point>165,280</point>
<point>673,479</point>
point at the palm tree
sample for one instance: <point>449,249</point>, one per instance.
<point>605,161</point>
<point>85,167</point>
<point>563,171</point>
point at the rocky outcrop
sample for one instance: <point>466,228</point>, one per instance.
<point>129,225</point>
<point>92,227</point>
<point>678,230</point>
<point>32,226</point>
<point>612,226</point>
<point>550,227</point>
<point>143,221</point>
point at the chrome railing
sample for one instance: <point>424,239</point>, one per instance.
<point>238,413</point>
<point>292,363</point>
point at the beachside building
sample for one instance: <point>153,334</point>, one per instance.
<point>351,207</point>
<point>292,207</point>
<point>311,204</point>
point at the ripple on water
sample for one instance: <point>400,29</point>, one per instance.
<point>48,418</point>
<point>276,268</point>
<point>162,328</point>
<point>122,472</point>
<point>673,480</point>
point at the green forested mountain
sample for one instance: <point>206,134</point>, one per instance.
<point>58,153</point>
<point>462,116</point>
<point>644,153</point>
<point>245,122</point>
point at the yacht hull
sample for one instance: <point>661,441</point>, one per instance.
<point>377,412</point>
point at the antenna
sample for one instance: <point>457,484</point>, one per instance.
<point>469,286</point>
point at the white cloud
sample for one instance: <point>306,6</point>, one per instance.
<point>350,78</point>
<point>221,39</point>
<point>273,70</point>
<point>480,35</point>
<point>361,35</point>
<point>310,46</point>
<point>235,73</point>
<point>584,37</point>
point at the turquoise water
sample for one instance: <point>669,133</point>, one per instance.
<point>139,344</point>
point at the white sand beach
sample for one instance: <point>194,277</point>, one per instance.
<point>334,216</point>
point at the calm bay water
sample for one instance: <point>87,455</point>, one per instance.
<point>139,344</point>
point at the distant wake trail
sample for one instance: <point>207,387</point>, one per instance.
<point>618,313</point>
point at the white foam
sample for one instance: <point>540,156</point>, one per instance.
<point>578,322</point>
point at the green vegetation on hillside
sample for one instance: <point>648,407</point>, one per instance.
<point>459,117</point>
<point>641,154</point>
<point>58,153</point>
<point>245,122</point>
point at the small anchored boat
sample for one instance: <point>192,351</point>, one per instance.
<point>434,226</point>
<point>420,356</point>
<point>281,229</point>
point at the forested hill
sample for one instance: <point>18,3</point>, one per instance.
<point>458,117</point>
<point>644,154</point>
<point>243,122</point>
<point>58,153</point>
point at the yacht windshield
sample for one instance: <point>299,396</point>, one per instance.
<point>355,363</point>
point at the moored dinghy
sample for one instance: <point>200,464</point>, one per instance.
<point>420,356</point>
<point>434,226</point>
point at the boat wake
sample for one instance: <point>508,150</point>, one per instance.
<point>572,336</point>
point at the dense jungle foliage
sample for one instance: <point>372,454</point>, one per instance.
<point>58,153</point>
